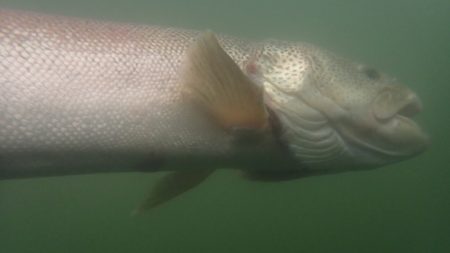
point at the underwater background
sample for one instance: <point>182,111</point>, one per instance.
<point>404,207</point>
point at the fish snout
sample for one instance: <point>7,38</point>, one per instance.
<point>393,109</point>
<point>396,101</point>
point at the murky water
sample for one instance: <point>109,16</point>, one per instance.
<point>403,207</point>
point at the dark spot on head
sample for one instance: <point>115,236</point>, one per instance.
<point>371,73</point>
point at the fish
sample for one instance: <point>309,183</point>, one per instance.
<point>82,96</point>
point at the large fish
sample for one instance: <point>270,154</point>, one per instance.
<point>82,96</point>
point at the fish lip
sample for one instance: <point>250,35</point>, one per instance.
<point>405,114</point>
<point>421,138</point>
<point>410,109</point>
<point>395,153</point>
<point>398,121</point>
<point>396,100</point>
<point>423,135</point>
<point>406,119</point>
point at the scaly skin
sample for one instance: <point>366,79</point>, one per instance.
<point>81,96</point>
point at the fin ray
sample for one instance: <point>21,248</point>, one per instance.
<point>217,84</point>
<point>172,185</point>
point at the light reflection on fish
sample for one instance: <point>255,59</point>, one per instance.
<point>81,96</point>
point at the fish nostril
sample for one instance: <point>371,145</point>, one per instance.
<point>412,108</point>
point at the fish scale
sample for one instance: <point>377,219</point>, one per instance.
<point>85,71</point>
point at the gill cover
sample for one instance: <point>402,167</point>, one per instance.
<point>285,72</point>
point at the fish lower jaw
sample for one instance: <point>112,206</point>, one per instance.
<point>405,132</point>
<point>373,154</point>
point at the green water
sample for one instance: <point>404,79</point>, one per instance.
<point>404,207</point>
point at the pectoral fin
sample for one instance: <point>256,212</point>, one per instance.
<point>172,185</point>
<point>216,83</point>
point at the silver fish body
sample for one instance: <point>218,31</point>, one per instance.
<point>88,95</point>
<point>80,96</point>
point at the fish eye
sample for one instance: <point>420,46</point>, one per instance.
<point>371,73</point>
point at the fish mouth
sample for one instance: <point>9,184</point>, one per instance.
<point>410,109</point>
<point>407,112</point>
<point>397,132</point>
<point>396,101</point>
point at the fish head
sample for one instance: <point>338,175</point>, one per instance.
<point>335,113</point>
